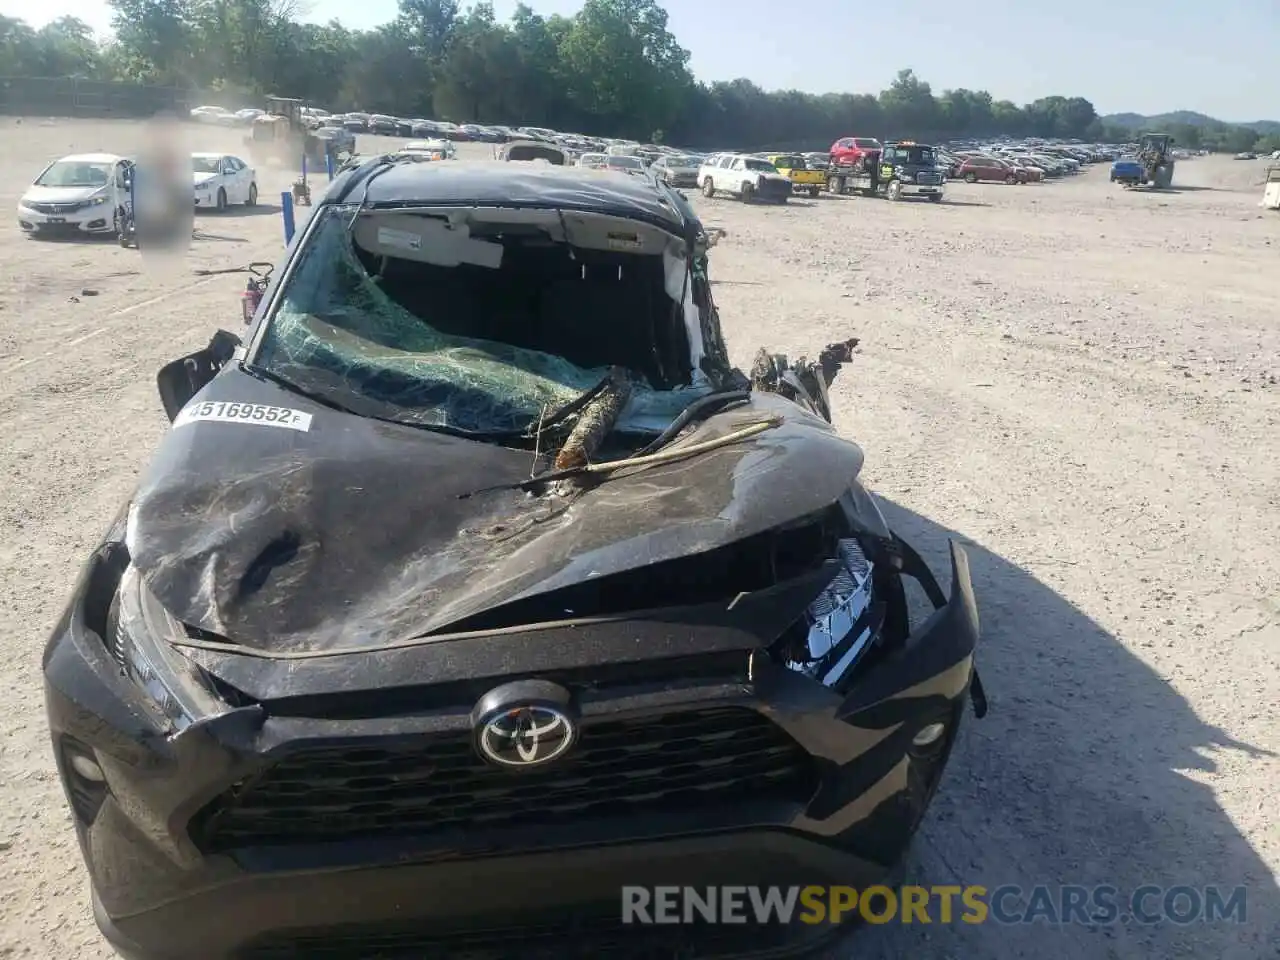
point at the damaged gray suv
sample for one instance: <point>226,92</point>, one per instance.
<point>475,585</point>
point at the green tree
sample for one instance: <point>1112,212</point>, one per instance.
<point>17,48</point>
<point>66,47</point>
<point>160,38</point>
<point>313,60</point>
<point>479,69</point>
<point>1185,135</point>
<point>623,66</point>
<point>1064,117</point>
<point>387,75</point>
<point>911,105</point>
<point>538,92</point>
<point>1239,139</point>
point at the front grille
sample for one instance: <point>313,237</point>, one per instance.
<point>571,939</point>
<point>929,178</point>
<point>57,208</point>
<point>671,762</point>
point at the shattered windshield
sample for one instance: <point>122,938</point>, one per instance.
<point>405,340</point>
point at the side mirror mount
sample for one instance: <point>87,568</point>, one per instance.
<point>177,382</point>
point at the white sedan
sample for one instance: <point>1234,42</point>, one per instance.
<point>434,149</point>
<point>86,193</point>
<point>221,180</point>
<point>217,115</point>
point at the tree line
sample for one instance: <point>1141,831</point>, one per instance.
<point>1221,137</point>
<point>613,69</point>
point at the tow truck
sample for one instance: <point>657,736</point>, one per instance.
<point>900,168</point>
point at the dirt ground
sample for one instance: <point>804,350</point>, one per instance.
<point>1076,382</point>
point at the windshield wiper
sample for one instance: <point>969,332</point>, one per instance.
<point>566,410</point>
<point>262,373</point>
<point>700,409</point>
<point>378,410</point>
<point>606,470</point>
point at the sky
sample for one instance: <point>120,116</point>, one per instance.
<point>1144,56</point>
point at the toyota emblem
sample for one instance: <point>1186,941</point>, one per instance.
<point>525,724</point>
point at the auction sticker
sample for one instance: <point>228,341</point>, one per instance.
<point>256,414</point>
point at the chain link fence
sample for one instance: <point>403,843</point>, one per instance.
<point>68,97</point>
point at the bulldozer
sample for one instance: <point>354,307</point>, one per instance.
<point>281,135</point>
<point>1155,153</point>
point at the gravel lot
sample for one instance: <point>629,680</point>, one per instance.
<point>1077,382</point>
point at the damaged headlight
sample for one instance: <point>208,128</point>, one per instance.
<point>840,626</point>
<point>863,513</point>
<point>139,629</point>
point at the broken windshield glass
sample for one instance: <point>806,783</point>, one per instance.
<point>372,331</point>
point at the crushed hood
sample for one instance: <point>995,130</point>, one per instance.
<point>306,528</point>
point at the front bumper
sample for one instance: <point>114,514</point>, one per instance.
<point>773,191</point>
<point>199,848</point>
<point>90,220</point>
<point>429,911</point>
<point>922,189</point>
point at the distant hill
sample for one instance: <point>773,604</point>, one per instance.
<point>1135,121</point>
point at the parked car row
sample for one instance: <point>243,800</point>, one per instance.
<point>222,117</point>
<point>1013,162</point>
<point>91,194</point>
<point>1010,162</point>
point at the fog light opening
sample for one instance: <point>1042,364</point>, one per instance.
<point>87,768</point>
<point>929,735</point>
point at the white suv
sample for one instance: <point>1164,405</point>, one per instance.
<point>747,178</point>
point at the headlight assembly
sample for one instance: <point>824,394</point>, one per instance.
<point>840,626</point>
<point>139,633</point>
<point>863,513</point>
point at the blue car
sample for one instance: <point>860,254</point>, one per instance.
<point>1127,171</point>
